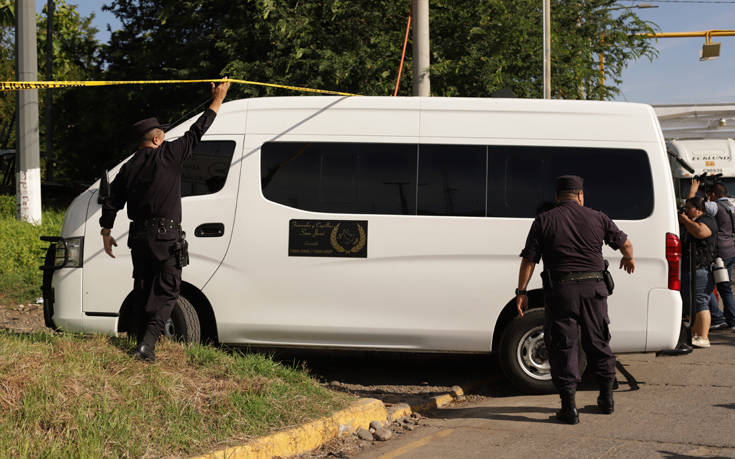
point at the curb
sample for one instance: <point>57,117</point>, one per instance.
<point>400,410</point>
<point>310,436</point>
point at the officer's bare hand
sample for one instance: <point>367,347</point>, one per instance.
<point>109,242</point>
<point>628,264</point>
<point>521,303</point>
<point>218,95</point>
<point>220,91</point>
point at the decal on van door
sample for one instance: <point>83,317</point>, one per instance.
<point>328,238</point>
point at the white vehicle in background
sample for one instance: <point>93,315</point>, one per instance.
<point>692,158</point>
<point>389,223</point>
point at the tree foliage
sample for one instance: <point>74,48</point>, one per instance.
<point>480,47</point>
<point>75,57</point>
<point>477,48</point>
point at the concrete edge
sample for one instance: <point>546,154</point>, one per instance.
<point>309,436</point>
<point>312,435</point>
<point>400,410</point>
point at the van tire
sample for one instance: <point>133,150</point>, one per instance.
<point>523,356</point>
<point>184,323</point>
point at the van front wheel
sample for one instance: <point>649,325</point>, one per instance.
<point>523,356</point>
<point>184,323</point>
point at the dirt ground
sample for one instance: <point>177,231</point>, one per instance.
<point>21,317</point>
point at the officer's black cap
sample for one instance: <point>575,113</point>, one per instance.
<point>141,127</point>
<point>567,183</point>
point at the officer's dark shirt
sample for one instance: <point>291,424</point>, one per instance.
<point>150,182</point>
<point>569,238</point>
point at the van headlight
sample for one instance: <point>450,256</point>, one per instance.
<point>69,253</point>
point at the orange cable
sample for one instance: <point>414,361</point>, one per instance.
<point>403,55</point>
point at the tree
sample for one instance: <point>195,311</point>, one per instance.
<point>353,46</point>
<point>75,57</point>
<point>481,47</point>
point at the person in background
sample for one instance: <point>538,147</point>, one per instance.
<point>698,231</point>
<point>723,212</point>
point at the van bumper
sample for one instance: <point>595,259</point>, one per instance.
<point>47,290</point>
<point>67,305</point>
<point>664,319</point>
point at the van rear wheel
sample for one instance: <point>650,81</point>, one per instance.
<point>523,356</point>
<point>184,323</point>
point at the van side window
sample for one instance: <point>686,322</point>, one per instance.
<point>206,171</point>
<point>616,181</point>
<point>452,180</point>
<point>341,177</point>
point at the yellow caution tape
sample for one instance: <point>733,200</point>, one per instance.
<point>20,85</point>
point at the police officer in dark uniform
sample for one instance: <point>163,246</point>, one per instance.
<point>150,184</point>
<point>569,239</point>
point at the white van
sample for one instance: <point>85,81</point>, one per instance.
<point>694,157</point>
<point>389,223</point>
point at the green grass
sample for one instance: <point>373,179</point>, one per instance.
<point>21,251</point>
<point>71,396</point>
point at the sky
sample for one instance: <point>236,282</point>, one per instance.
<point>676,76</point>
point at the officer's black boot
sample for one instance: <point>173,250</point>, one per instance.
<point>605,401</point>
<point>146,349</point>
<point>568,412</point>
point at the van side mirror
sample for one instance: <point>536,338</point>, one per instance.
<point>104,188</point>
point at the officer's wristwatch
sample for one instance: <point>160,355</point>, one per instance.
<point>105,231</point>
<point>521,292</point>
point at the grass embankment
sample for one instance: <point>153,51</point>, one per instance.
<point>21,251</point>
<point>70,396</point>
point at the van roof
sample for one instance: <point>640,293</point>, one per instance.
<point>480,118</point>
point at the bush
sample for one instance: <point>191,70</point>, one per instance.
<point>22,251</point>
<point>7,206</point>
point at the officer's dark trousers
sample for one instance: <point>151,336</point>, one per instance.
<point>570,307</point>
<point>156,288</point>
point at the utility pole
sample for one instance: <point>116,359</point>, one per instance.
<point>49,77</point>
<point>421,84</point>
<point>27,155</point>
<point>547,49</point>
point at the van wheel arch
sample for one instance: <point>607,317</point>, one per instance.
<point>509,312</point>
<point>198,300</point>
<point>520,349</point>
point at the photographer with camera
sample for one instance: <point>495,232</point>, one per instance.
<point>723,212</point>
<point>698,230</point>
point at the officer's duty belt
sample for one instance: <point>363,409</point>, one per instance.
<point>160,223</point>
<point>577,276</point>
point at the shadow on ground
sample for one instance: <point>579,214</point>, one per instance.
<point>390,376</point>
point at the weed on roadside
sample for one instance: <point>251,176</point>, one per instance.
<point>21,251</point>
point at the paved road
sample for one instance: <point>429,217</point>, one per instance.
<point>685,408</point>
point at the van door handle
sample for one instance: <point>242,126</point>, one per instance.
<point>210,230</point>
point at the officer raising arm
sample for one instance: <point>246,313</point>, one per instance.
<point>569,239</point>
<point>150,183</point>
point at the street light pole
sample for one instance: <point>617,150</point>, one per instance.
<point>27,163</point>
<point>547,49</point>
<point>421,83</point>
